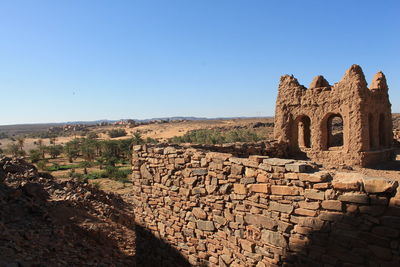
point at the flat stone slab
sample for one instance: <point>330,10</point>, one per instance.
<point>347,181</point>
<point>278,161</point>
<point>379,184</point>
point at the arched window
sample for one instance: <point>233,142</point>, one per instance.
<point>382,130</point>
<point>304,132</point>
<point>371,131</point>
<point>335,130</point>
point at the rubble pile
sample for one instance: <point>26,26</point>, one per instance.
<point>44,222</point>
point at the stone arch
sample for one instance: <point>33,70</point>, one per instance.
<point>382,130</point>
<point>332,129</point>
<point>303,130</point>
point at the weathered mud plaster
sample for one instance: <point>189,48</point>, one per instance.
<point>304,119</point>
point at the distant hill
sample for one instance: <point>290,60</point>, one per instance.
<point>40,127</point>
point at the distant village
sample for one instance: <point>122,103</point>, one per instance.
<point>127,123</point>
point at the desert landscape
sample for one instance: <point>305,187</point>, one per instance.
<point>199,133</point>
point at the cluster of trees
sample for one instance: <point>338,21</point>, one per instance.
<point>216,136</point>
<point>116,133</point>
<point>17,148</point>
<point>106,154</point>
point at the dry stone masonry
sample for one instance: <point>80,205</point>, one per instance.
<point>221,210</point>
<point>345,123</point>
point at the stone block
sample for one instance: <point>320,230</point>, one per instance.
<point>291,176</point>
<point>240,189</point>
<point>169,150</point>
<point>316,177</point>
<point>285,208</point>
<point>219,219</point>
<point>277,161</point>
<point>250,172</point>
<point>236,169</point>
<point>247,245</point>
<point>260,221</point>
<point>205,225</point>
<point>265,167</point>
<point>273,238</point>
<point>330,216</point>
<point>296,167</point>
<point>379,185</point>
<point>199,213</point>
<point>321,186</point>
<point>260,188</point>
<point>285,190</point>
<point>314,194</point>
<point>313,223</point>
<point>314,205</point>
<point>305,212</point>
<point>250,180</point>
<point>347,181</point>
<point>199,172</point>
<point>354,198</point>
<point>297,244</point>
<point>332,205</point>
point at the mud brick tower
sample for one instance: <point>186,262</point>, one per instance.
<point>345,123</point>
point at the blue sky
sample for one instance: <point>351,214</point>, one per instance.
<point>88,60</point>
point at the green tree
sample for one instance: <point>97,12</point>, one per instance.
<point>41,164</point>
<point>116,133</point>
<point>88,149</point>
<point>137,138</point>
<point>41,147</point>
<point>71,149</point>
<point>111,152</point>
<point>34,155</point>
<point>85,165</point>
<point>21,142</point>
<point>55,150</point>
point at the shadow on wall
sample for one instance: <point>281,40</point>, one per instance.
<point>97,231</point>
<point>393,165</point>
<point>154,252</point>
<point>364,236</point>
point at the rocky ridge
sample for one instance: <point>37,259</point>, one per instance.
<point>44,222</point>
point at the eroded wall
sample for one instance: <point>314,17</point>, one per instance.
<point>220,210</point>
<point>365,112</point>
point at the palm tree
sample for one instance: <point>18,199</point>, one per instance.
<point>137,138</point>
<point>21,141</point>
<point>41,147</point>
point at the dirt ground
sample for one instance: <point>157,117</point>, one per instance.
<point>161,131</point>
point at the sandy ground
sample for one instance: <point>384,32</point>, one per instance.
<point>161,131</point>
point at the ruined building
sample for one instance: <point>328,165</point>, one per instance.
<point>345,123</point>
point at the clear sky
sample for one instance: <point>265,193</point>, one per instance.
<point>88,60</point>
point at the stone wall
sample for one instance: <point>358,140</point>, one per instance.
<point>220,210</point>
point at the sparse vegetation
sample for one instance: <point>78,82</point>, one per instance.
<point>217,136</point>
<point>34,155</point>
<point>116,133</point>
